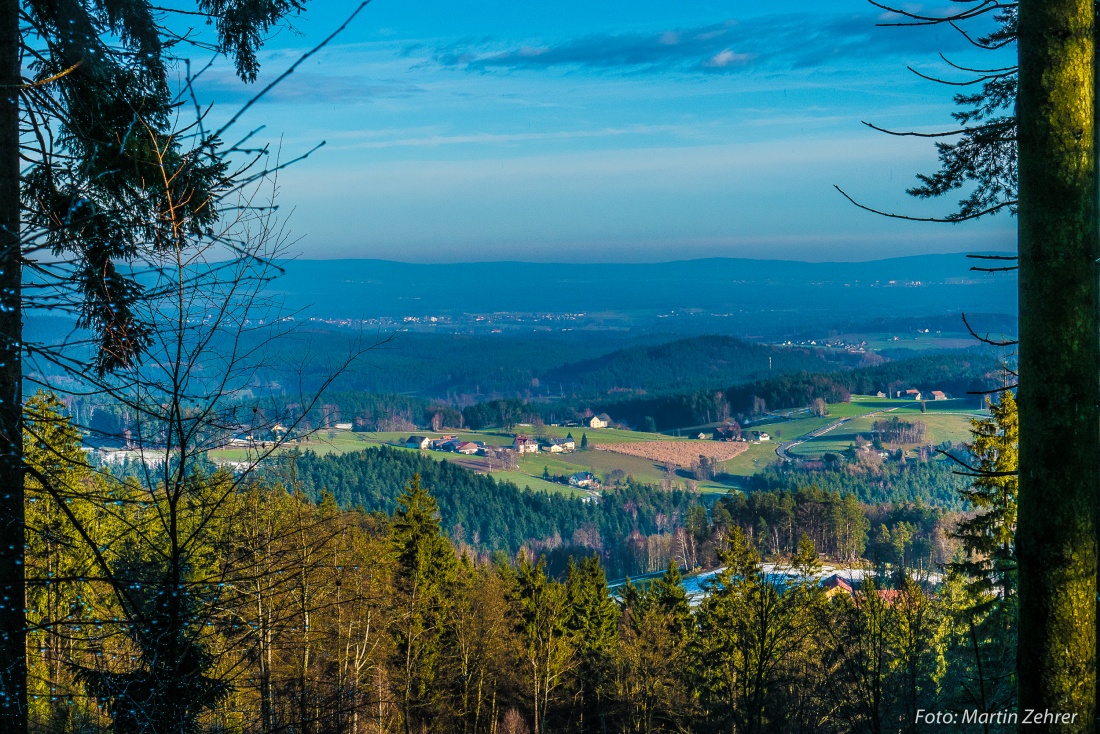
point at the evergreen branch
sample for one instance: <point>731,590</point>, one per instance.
<point>940,220</point>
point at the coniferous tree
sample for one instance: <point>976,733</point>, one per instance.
<point>425,571</point>
<point>593,622</point>
<point>1059,356</point>
<point>989,536</point>
<point>546,648</point>
<point>984,616</point>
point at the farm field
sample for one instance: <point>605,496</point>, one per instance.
<point>525,480</point>
<point>679,453</point>
<point>530,466</point>
<point>617,454</point>
<point>940,427</point>
<point>786,430</point>
<point>596,436</point>
<point>756,458</point>
<point>603,463</point>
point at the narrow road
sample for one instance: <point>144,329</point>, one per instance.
<point>781,449</point>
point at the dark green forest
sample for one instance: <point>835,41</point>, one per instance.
<point>638,528</point>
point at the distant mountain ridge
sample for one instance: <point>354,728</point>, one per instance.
<point>742,291</point>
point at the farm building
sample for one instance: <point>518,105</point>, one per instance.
<point>584,479</point>
<point>939,395</point>
<point>468,447</point>
<point>444,443</point>
<point>417,442</point>
<point>836,585</point>
<point>603,420</point>
<point>525,445</point>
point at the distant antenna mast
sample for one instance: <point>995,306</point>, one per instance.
<point>769,363</point>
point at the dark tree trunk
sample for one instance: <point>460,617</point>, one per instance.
<point>1059,361</point>
<point>13,636</point>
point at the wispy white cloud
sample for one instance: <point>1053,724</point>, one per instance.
<point>482,138</point>
<point>791,40</point>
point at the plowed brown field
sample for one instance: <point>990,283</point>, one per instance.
<point>680,453</point>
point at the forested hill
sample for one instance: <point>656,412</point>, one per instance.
<point>491,515</point>
<point>499,516</point>
<point>954,373</point>
<point>688,364</point>
<point>931,483</point>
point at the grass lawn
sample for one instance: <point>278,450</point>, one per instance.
<point>781,430</point>
<point>916,342</point>
<point>600,463</point>
<point>522,480</point>
<point>940,427</point>
<point>756,459</point>
<point>596,436</point>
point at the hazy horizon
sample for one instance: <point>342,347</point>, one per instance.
<point>619,131</point>
<point>504,261</point>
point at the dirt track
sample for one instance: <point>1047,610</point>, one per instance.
<point>680,453</point>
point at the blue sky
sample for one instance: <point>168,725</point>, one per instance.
<point>610,131</point>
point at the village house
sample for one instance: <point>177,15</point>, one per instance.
<point>568,443</point>
<point>584,479</point>
<point>835,585</point>
<point>524,445</point>
<point>467,447</point>
<point>444,443</point>
<point>418,442</point>
<point>939,395</point>
<point>552,447</point>
<point>910,394</point>
<point>603,420</point>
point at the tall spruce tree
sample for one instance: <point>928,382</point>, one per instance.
<point>1041,162</point>
<point>86,136</point>
<point>425,571</point>
<point>593,622</point>
<point>1059,358</point>
<point>989,536</point>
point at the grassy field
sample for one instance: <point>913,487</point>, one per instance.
<point>597,436</point>
<point>917,342</point>
<point>752,461</point>
<point>945,420</point>
<point>602,463</point>
<point>524,480</point>
<point>941,425</point>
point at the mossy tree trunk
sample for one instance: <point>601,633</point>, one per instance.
<point>13,635</point>
<point>1059,361</point>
